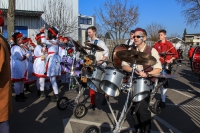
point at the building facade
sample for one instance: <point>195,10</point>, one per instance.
<point>29,16</point>
<point>193,39</point>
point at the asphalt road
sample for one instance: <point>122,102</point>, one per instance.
<point>181,114</point>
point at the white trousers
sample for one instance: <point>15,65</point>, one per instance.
<point>54,84</point>
<point>40,84</point>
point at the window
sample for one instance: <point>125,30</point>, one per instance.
<point>87,21</point>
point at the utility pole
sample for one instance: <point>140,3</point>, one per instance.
<point>11,18</point>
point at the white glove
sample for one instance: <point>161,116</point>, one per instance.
<point>27,55</point>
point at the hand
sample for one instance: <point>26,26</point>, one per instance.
<point>143,74</point>
<point>27,55</point>
<point>99,62</point>
<point>169,61</point>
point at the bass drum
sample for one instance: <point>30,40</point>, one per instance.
<point>196,60</point>
<point>116,61</point>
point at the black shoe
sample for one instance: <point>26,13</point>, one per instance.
<point>18,98</point>
<point>54,98</point>
<point>27,88</point>
<point>23,96</point>
<point>42,94</point>
<point>162,104</point>
<point>91,106</point>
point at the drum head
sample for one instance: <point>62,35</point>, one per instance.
<point>196,60</point>
<point>116,61</point>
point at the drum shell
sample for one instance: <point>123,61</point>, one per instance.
<point>94,81</point>
<point>140,89</point>
<point>116,61</point>
<point>196,60</point>
<point>112,81</point>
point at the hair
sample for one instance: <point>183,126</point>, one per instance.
<point>162,31</point>
<point>14,36</point>
<point>143,31</point>
<point>51,35</point>
<point>132,31</point>
<point>93,28</point>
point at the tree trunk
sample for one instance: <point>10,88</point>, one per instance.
<point>11,18</point>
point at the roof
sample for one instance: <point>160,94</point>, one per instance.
<point>192,34</point>
<point>24,12</point>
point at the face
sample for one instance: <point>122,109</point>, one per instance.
<point>91,33</point>
<point>65,41</point>
<point>19,40</point>
<point>131,35</point>
<point>139,38</point>
<point>162,36</point>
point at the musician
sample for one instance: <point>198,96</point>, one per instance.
<point>165,46</point>
<point>142,118</point>
<point>19,67</point>
<point>102,55</point>
<point>53,68</point>
<point>180,55</point>
<point>130,41</point>
<point>39,65</point>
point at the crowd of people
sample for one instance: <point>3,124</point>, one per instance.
<point>52,57</point>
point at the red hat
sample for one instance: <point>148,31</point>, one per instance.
<point>1,12</point>
<point>25,39</point>
<point>65,38</point>
<point>38,36</point>
<point>16,35</point>
<point>60,37</point>
<point>32,44</point>
<point>70,50</point>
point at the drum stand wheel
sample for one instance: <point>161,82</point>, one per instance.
<point>92,129</point>
<point>80,110</point>
<point>62,103</point>
<point>156,107</point>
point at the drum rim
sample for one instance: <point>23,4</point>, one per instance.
<point>119,70</point>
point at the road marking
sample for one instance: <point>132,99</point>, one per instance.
<point>192,97</point>
<point>180,105</point>
<point>68,128</point>
<point>166,124</point>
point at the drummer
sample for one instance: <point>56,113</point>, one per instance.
<point>142,118</point>
<point>164,46</point>
<point>102,55</point>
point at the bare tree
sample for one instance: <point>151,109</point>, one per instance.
<point>58,14</point>
<point>152,31</point>
<point>11,18</point>
<point>174,35</point>
<point>191,12</point>
<point>117,18</point>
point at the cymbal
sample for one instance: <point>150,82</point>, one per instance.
<point>97,48</point>
<point>167,76</point>
<point>131,56</point>
<point>79,47</point>
<point>166,53</point>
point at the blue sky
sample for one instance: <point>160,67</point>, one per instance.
<point>164,12</point>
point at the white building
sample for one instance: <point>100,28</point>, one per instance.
<point>84,23</point>
<point>29,16</point>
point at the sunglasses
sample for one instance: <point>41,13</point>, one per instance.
<point>138,36</point>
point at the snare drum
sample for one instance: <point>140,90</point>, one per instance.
<point>140,89</point>
<point>94,80</point>
<point>112,81</point>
